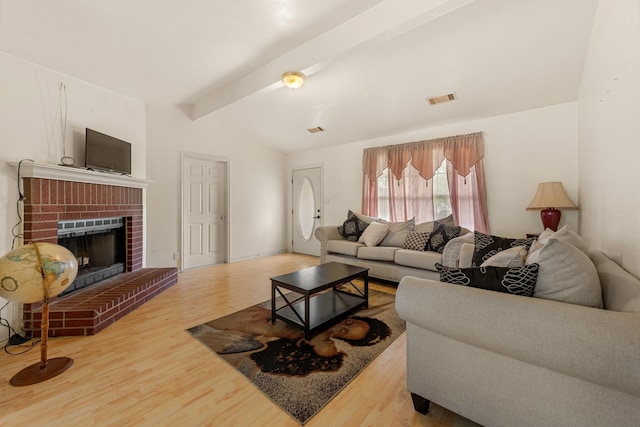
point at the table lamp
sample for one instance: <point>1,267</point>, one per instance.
<point>550,197</point>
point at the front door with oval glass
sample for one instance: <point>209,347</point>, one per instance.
<point>307,210</point>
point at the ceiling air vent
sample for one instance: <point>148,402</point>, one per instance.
<point>442,98</point>
<point>316,129</point>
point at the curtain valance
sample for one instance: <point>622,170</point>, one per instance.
<point>463,151</point>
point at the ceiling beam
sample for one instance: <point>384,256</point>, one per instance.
<point>384,21</point>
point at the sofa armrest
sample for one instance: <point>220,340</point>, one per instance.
<point>595,345</point>
<point>453,248</point>
<point>324,234</point>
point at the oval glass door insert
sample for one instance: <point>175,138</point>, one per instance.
<point>306,209</point>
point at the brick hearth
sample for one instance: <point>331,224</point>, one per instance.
<point>90,310</point>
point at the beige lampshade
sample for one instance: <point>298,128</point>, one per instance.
<point>551,195</point>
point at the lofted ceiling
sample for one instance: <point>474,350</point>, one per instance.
<point>370,64</point>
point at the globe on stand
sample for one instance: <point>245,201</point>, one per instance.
<point>37,272</point>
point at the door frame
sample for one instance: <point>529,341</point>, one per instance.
<point>290,201</point>
<point>184,155</point>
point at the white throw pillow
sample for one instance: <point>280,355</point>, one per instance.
<point>374,234</point>
<point>566,274</point>
<point>565,235</point>
<point>512,258</point>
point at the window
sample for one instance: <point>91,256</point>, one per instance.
<point>439,199</point>
<point>427,180</point>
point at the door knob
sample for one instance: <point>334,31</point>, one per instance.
<point>317,217</point>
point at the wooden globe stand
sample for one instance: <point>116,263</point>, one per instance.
<point>45,369</point>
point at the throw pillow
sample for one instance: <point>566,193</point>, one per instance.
<point>517,281</point>
<point>352,228</point>
<point>512,258</point>
<point>398,232</point>
<point>440,236</point>
<point>415,241</point>
<point>566,274</point>
<point>374,234</point>
<point>565,235</point>
<point>487,246</point>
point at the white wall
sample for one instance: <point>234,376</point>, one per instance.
<point>30,129</point>
<point>257,185</point>
<point>609,134</point>
<point>521,150</point>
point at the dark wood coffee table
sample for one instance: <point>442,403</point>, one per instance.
<point>320,300</point>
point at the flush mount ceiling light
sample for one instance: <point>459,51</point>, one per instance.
<point>293,79</point>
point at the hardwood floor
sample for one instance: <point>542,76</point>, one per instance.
<point>145,370</point>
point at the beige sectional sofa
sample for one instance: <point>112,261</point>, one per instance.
<point>509,360</point>
<point>387,260</point>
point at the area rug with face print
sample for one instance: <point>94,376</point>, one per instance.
<point>299,375</point>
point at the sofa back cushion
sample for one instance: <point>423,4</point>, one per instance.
<point>398,232</point>
<point>620,290</point>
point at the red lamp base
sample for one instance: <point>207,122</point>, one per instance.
<point>550,218</point>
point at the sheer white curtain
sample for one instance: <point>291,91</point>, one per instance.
<point>411,169</point>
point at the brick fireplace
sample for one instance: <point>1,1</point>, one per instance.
<point>48,201</point>
<point>54,194</point>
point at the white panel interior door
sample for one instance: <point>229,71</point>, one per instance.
<point>204,208</point>
<point>307,210</point>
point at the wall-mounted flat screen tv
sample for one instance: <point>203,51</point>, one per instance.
<point>106,153</point>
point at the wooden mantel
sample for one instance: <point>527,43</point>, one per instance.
<point>67,173</point>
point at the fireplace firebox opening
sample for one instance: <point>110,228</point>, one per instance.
<point>99,246</point>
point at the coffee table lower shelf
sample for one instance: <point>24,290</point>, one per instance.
<point>324,308</point>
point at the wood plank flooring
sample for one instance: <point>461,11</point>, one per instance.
<point>145,370</point>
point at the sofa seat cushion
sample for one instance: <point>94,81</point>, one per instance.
<point>344,247</point>
<point>425,260</point>
<point>378,253</point>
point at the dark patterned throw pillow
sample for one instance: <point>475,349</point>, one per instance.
<point>440,236</point>
<point>416,241</point>
<point>517,281</point>
<point>352,228</point>
<point>486,246</point>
